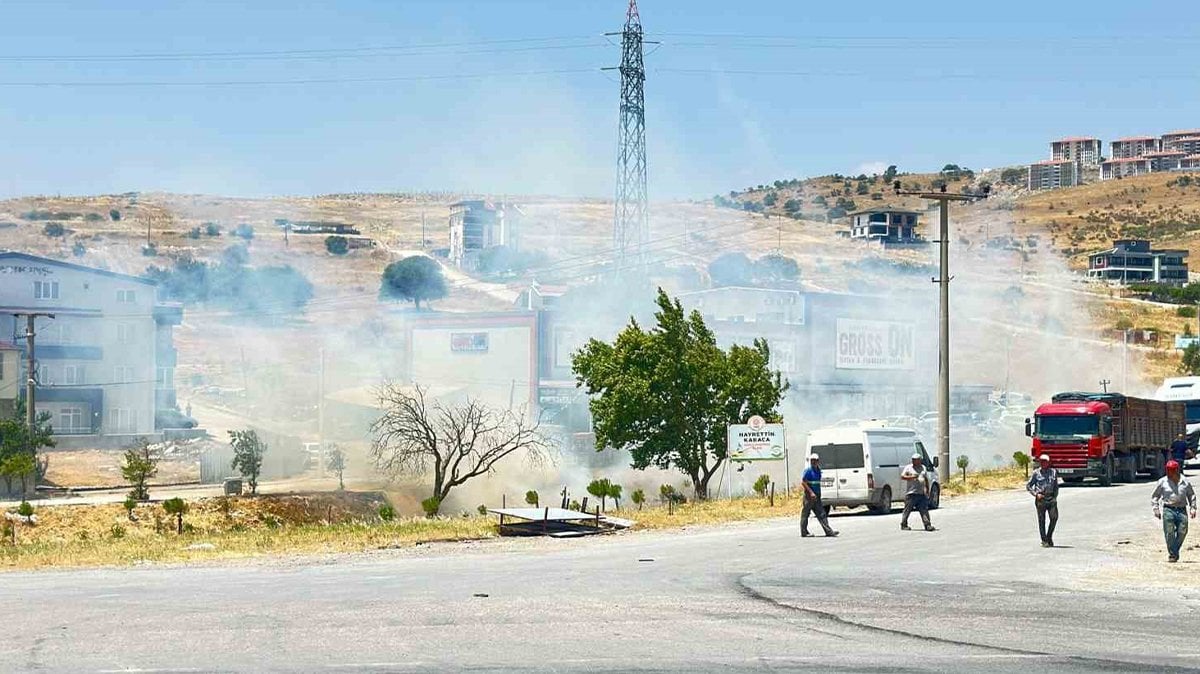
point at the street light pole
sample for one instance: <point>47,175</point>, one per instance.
<point>943,389</point>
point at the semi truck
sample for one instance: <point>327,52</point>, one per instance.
<point>1108,436</point>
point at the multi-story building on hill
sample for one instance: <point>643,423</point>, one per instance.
<point>105,362</point>
<point>1165,160</point>
<point>1051,174</point>
<point>1167,139</point>
<point>884,225</point>
<point>1134,146</point>
<point>1186,144</point>
<point>478,224</point>
<point>1124,168</point>
<point>1084,151</point>
<point>1133,261</point>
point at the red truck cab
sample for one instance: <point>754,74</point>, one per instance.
<point>1078,437</point>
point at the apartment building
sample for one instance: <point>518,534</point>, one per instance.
<point>1168,139</point>
<point>1133,261</point>
<point>1124,168</point>
<point>1188,145</point>
<point>1165,160</point>
<point>106,360</point>
<point>479,224</point>
<point>1084,151</point>
<point>1134,146</point>
<point>1051,174</point>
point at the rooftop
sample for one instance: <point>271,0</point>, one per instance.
<point>1075,139</point>
<point>1185,132</point>
<point>866,211</point>
<point>1052,161</point>
<point>1131,139</point>
<point>1166,153</point>
<point>26,257</point>
<point>1125,161</point>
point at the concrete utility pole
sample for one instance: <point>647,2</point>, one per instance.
<point>31,367</point>
<point>943,390</point>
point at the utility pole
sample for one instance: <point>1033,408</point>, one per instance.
<point>1125,361</point>
<point>31,367</point>
<point>943,199</point>
<point>422,230</point>
<point>1104,384</point>
<point>630,221</point>
<point>321,413</point>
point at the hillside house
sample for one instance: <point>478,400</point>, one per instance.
<point>884,225</point>
<point>1133,261</point>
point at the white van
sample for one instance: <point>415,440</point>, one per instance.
<point>861,464</point>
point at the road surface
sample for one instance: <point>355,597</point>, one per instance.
<point>978,596</point>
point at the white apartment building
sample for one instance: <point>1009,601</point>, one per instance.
<point>1134,146</point>
<point>1188,145</point>
<point>1051,174</point>
<point>105,362</point>
<point>1168,139</point>
<point>1124,168</point>
<point>1082,150</point>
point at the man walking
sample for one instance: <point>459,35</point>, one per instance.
<point>1179,450</point>
<point>812,498</point>
<point>916,493</point>
<point>1174,501</point>
<point>1043,485</point>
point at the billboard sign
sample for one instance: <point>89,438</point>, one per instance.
<point>875,345</point>
<point>469,341</point>
<point>757,440</point>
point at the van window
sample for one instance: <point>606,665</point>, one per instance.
<point>841,456</point>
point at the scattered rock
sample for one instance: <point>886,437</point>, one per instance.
<point>201,546</point>
<point>480,594</point>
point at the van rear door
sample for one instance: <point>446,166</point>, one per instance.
<point>851,473</point>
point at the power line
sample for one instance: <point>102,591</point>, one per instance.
<point>294,82</point>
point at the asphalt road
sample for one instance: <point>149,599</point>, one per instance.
<point>978,595</point>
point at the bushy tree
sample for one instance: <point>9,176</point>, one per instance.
<point>776,267</point>
<point>1190,364</point>
<point>668,393</point>
<point>54,229</point>
<point>19,447</point>
<point>890,174</point>
<point>638,497</point>
<point>176,507</point>
<point>962,462</point>
<point>337,245</point>
<point>600,488</point>
<point>414,278</point>
<point>212,229</point>
<point>248,453</point>
<point>731,269</point>
<point>614,493</point>
<point>336,463</point>
<point>761,484</point>
<point>244,231</point>
<point>139,464</point>
<point>1022,460</point>
<point>114,214</point>
<point>531,498</point>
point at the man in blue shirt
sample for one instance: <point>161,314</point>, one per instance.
<point>812,498</point>
<point>1179,450</point>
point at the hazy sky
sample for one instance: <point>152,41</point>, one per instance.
<point>507,96</point>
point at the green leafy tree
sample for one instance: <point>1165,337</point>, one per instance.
<point>244,231</point>
<point>638,497</point>
<point>1190,364</point>
<point>140,463</point>
<point>336,463</point>
<point>776,267</point>
<point>1022,460</point>
<point>761,484</point>
<point>431,506</point>
<point>129,504</point>
<point>962,462</point>
<point>600,489</point>
<point>54,229</point>
<point>19,447</point>
<point>414,278</point>
<point>531,498</point>
<point>732,269</point>
<point>667,394</point>
<point>387,512</point>
<point>248,453</point>
<point>337,245</point>
<point>890,173</point>
<point>176,507</point>
<point>114,214</point>
<point>614,493</point>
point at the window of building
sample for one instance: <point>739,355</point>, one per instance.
<point>45,290</point>
<point>124,333</point>
<point>126,296</point>
<point>123,374</point>
<point>70,420</point>
<point>122,420</point>
<point>44,376</point>
<point>72,374</point>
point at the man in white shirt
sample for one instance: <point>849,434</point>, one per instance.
<point>916,493</point>
<point>1174,502</point>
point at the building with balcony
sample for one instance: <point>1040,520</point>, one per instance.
<point>1188,145</point>
<point>1133,261</point>
<point>1134,146</point>
<point>105,362</point>
<point>884,225</point>
<point>1165,160</point>
<point>1084,151</point>
<point>1124,168</point>
<point>1169,139</point>
<point>479,224</point>
<point>1051,174</point>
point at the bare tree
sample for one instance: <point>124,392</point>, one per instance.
<point>457,442</point>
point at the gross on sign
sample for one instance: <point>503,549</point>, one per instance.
<point>874,345</point>
<point>756,440</point>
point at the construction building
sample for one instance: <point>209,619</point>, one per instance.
<point>1124,168</point>
<point>1084,151</point>
<point>105,362</point>
<point>884,225</point>
<point>1188,145</point>
<point>1167,140</point>
<point>1051,174</point>
<point>1133,261</point>
<point>479,224</point>
<point>1134,146</point>
<point>1165,160</point>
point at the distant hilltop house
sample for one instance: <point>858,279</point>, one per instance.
<point>885,225</point>
<point>105,363</point>
<point>317,227</point>
<point>1133,261</point>
<point>479,224</point>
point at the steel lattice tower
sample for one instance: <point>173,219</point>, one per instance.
<point>630,222</point>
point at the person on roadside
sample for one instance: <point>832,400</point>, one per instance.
<point>916,493</point>
<point>812,498</point>
<point>1179,451</point>
<point>1174,503</point>
<point>1043,485</point>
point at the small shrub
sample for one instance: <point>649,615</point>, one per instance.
<point>638,497</point>
<point>337,245</point>
<point>481,509</point>
<point>193,233</point>
<point>25,509</point>
<point>531,498</point>
<point>387,513</point>
<point>761,484</point>
<point>117,532</point>
<point>93,217</point>
<point>114,215</point>
<point>54,229</point>
<point>150,249</point>
<point>1022,460</point>
<point>78,249</point>
<point>244,231</point>
<point>431,506</point>
<point>1186,312</point>
<point>212,229</point>
<point>129,504</point>
<point>178,508</point>
<point>962,462</point>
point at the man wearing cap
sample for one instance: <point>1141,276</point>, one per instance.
<point>1174,502</point>
<point>812,498</point>
<point>916,493</point>
<point>1179,450</point>
<point>1043,485</point>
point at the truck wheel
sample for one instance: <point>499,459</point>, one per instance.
<point>1106,477</point>
<point>935,497</point>
<point>884,505</point>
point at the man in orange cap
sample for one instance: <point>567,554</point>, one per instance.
<point>1174,502</point>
